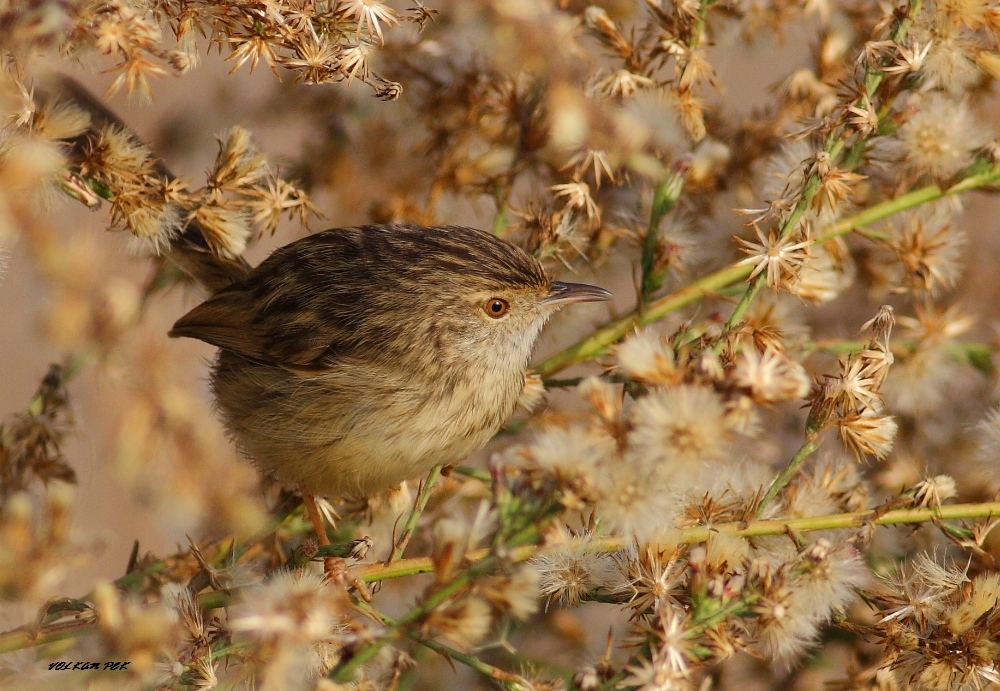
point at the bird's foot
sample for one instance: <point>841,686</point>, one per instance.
<point>337,572</point>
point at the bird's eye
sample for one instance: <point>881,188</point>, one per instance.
<point>496,307</point>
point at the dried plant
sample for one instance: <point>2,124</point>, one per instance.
<point>765,454</point>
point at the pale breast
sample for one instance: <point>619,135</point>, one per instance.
<point>363,433</point>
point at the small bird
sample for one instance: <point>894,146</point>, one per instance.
<point>356,358</point>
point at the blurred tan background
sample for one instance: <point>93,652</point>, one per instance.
<point>180,124</point>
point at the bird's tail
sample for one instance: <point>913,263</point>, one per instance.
<point>188,248</point>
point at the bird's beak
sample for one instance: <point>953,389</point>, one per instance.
<point>567,293</point>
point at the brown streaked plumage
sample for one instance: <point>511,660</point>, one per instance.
<point>356,358</point>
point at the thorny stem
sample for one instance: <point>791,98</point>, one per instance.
<point>614,331</point>
<point>664,198</point>
<point>506,679</point>
<point>419,504</point>
<point>410,567</point>
<point>978,355</point>
<point>486,563</point>
<point>484,560</point>
<point>786,475</point>
<point>834,146</point>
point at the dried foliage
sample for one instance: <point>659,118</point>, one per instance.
<point>789,377</point>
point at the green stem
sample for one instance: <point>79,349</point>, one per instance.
<point>978,355</point>
<point>423,494</point>
<point>835,144</point>
<point>483,561</point>
<point>614,331</point>
<point>487,563</point>
<point>506,679</point>
<point>474,473</point>
<point>664,198</point>
<point>500,219</point>
<point>410,567</point>
<point>787,474</point>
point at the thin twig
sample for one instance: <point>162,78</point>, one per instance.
<point>483,560</point>
<point>833,147</point>
<point>614,331</point>
<point>419,504</point>
<point>506,679</point>
<point>410,567</point>
<point>786,475</point>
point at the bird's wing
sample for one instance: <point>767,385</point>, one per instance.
<point>285,321</point>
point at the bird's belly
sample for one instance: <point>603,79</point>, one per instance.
<point>336,441</point>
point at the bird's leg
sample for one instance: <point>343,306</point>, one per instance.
<point>315,517</point>
<point>335,567</point>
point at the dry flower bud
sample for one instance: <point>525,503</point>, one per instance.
<point>868,433</point>
<point>226,230</point>
<point>465,622</point>
<point>777,257</point>
<point>570,573</point>
<point>940,137</point>
<point>932,491</point>
<point>516,593</point>
<point>533,393</point>
<point>292,606</point>
<point>823,278</point>
<point>603,398</point>
<point>726,553</point>
<point>59,120</point>
<point>648,358</point>
<point>770,376</point>
<point>601,24</point>
<point>451,542</point>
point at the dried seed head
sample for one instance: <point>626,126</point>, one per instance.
<point>648,358</point>
<point>679,426</point>
<point>940,137</point>
<point>570,573</point>
<point>465,622</point>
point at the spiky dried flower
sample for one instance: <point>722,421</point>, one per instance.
<point>826,274</point>
<point>370,15</point>
<point>779,257</point>
<point>31,443</point>
<point>934,490</point>
<point>929,248</point>
<point>464,622</point>
<point>940,626</point>
<point>943,52</point>
<point>803,593</point>
<point>570,573</point>
<point>868,433</point>
<point>292,603</point>
<point>855,389</point>
<point>620,85</point>
<point>578,197</point>
<point>653,577</point>
<point>516,593</point>
<point>668,667</point>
